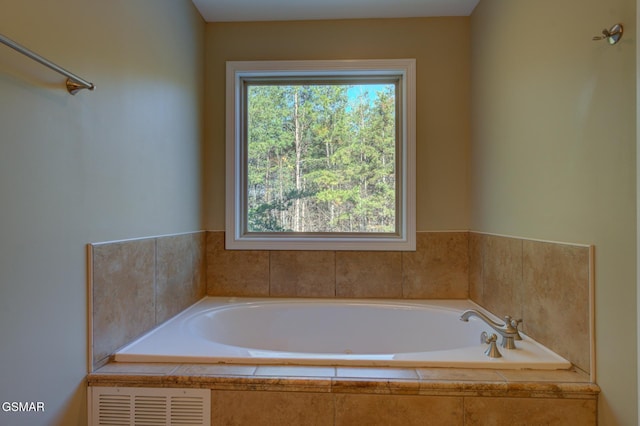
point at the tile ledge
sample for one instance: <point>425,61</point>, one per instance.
<point>126,375</point>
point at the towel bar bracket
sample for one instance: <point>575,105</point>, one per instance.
<point>74,87</point>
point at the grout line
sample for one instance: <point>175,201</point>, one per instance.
<point>155,282</point>
<point>483,249</point>
<point>521,289</point>
<point>402,286</point>
<point>333,403</point>
<point>90,363</point>
<point>592,314</point>
<point>174,369</point>
<point>464,411</point>
<point>269,252</point>
<point>335,275</point>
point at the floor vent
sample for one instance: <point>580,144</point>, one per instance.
<point>118,406</point>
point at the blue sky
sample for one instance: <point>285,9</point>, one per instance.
<point>372,90</point>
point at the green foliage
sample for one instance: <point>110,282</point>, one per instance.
<point>321,159</point>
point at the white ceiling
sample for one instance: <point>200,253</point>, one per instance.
<point>287,10</point>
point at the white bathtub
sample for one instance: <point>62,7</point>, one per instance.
<point>331,332</point>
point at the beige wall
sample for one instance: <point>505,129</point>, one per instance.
<point>120,162</point>
<point>553,154</point>
<point>441,49</point>
<point>637,32</point>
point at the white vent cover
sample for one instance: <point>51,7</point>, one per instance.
<point>119,406</point>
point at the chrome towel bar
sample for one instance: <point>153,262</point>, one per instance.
<point>74,83</point>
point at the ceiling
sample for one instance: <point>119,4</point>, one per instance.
<point>288,10</point>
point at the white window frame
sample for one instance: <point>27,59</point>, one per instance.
<point>236,238</point>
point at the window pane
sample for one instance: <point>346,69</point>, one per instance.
<point>321,157</point>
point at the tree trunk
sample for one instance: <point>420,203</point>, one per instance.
<point>297,226</point>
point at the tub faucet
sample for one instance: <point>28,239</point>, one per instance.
<point>508,330</point>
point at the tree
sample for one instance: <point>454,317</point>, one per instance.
<point>321,159</point>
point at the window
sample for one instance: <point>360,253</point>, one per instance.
<point>320,155</point>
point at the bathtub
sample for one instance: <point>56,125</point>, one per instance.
<point>335,332</point>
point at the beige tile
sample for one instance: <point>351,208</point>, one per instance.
<point>551,390</point>
<point>401,410</point>
<point>369,274</point>
<point>475,382</point>
<point>459,375</point>
<point>123,294</point>
<point>137,368</point>
<point>373,385</point>
<point>439,268</point>
<point>377,373</point>
<point>214,370</point>
<point>235,272</point>
<point>557,376</point>
<point>376,380</point>
<point>502,276</point>
<point>460,381</point>
<point>257,408</point>
<point>199,253</point>
<point>272,383</point>
<point>476,242</point>
<point>175,284</point>
<point>556,282</point>
<point>303,274</point>
<point>529,411</point>
<point>294,371</point>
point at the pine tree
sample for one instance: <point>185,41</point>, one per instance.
<point>320,160</point>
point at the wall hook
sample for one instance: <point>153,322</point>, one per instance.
<point>612,35</point>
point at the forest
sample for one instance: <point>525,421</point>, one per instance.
<point>321,158</point>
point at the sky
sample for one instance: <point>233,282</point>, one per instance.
<point>371,89</point>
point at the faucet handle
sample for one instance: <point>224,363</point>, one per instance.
<point>492,351</point>
<point>515,323</point>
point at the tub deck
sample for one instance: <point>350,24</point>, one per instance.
<point>448,396</point>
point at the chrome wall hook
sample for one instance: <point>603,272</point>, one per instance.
<point>612,35</point>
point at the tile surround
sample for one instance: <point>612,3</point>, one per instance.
<point>369,274</point>
<point>138,284</point>
<point>437,269</point>
<point>302,274</point>
<point>545,284</point>
<point>258,408</point>
<point>499,273</point>
<point>523,412</point>
<point>123,296</point>
<point>150,280</point>
<point>557,308</point>
<point>475,266</point>
<point>180,273</point>
<point>235,272</point>
<point>502,273</point>
<point>400,410</point>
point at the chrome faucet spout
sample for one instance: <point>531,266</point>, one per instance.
<point>508,330</point>
<point>473,313</point>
